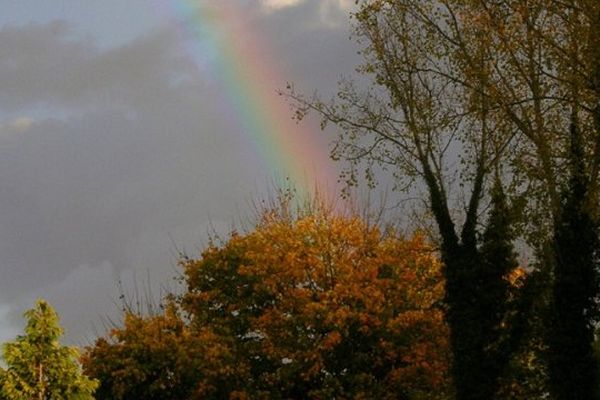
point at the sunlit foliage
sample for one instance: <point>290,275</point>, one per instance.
<point>325,306</point>
<point>315,306</point>
<point>38,366</point>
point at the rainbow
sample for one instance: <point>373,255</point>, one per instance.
<point>237,57</point>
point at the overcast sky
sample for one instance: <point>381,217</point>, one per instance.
<point>110,162</point>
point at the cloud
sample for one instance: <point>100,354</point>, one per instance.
<point>50,66</point>
<point>21,124</point>
<point>335,13</point>
<point>272,5</point>
<point>82,299</point>
<point>331,13</point>
<point>310,52</point>
<point>16,125</point>
<point>8,331</point>
<point>125,154</point>
<point>129,152</point>
<point>280,4</point>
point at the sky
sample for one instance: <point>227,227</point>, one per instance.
<point>131,129</point>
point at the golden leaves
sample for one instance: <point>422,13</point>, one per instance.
<point>315,306</point>
<point>309,292</point>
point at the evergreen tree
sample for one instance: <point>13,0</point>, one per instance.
<point>38,366</point>
<point>573,367</point>
<point>491,288</point>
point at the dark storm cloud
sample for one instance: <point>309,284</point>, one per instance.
<point>110,157</point>
<point>49,65</point>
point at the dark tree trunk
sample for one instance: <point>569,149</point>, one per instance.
<point>572,364</point>
<point>477,301</point>
<point>473,378</point>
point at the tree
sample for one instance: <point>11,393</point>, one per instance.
<point>324,306</point>
<point>434,121</point>
<point>545,84</point>
<point>573,365</point>
<point>158,357</point>
<point>307,305</point>
<point>38,367</point>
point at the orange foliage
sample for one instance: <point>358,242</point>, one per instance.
<point>314,307</point>
<point>158,357</point>
<point>325,306</point>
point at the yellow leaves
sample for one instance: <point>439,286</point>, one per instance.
<point>319,306</point>
<point>517,277</point>
<point>320,288</point>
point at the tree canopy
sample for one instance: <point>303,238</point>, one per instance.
<point>314,306</point>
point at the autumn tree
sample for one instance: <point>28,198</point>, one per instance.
<point>545,84</point>
<point>307,305</point>
<point>38,366</point>
<point>324,306</point>
<point>158,357</point>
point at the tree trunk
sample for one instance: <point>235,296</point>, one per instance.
<point>41,385</point>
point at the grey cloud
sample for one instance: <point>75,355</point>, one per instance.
<point>317,52</point>
<point>130,155</point>
<point>51,66</point>
<point>149,155</point>
<point>37,63</point>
